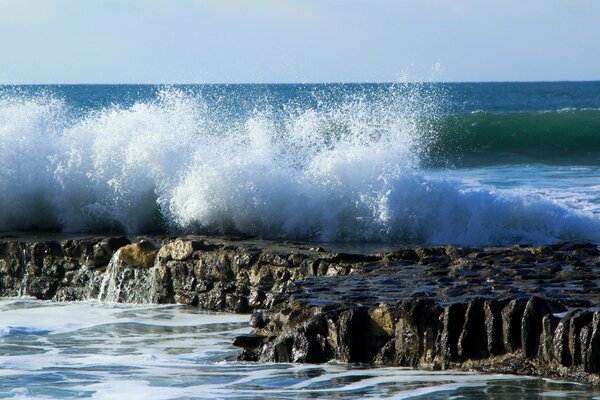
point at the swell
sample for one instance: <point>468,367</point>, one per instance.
<point>481,138</point>
<point>342,172</point>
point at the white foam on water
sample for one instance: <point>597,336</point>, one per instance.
<point>343,172</point>
<point>50,317</point>
<point>106,351</point>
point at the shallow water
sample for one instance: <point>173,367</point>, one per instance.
<point>106,351</point>
<point>572,186</point>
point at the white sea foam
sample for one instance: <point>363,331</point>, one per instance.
<point>345,172</point>
<point>106,351</point>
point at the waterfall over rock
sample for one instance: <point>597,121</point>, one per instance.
<point>130,276</point>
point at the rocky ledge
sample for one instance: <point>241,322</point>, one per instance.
<point>521,309</point>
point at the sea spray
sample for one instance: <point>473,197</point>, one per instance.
<point>329,171</point>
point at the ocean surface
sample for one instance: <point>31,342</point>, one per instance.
<point>386,164</point>
<point>107,351</point>
<point>464,163</point>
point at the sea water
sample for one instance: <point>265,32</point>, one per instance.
<point>466,164</point>
<point>386,164</point>
<point>107,351</point>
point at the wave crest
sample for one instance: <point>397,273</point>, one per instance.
<point>340,172</point>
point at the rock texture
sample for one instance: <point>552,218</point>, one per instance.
<point>525,310</point>
<point>521,309</point>
<point>59,270</point>
<point>215,274</point>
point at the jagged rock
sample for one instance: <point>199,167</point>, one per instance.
<point>248,340</point>
<point>560,345</point>
<point>350,335</point>
<point>519,309</point>
<point>577,325</point>
<point>531,324</point>
<point>182,249</point>
<point>493,326</point>
<point>310,341</point>
<point>472,343</point>
<point>512,315</point>
<point>418,329</point>
<point>549,325</point>
<point>592,357</point>
<point>452,322</point>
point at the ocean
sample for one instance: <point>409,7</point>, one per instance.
<point>339,164</point>
<point>430,163</point>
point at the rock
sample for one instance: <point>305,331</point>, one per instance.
<point>407,342</point>
<point>512,315</point>
<point>179,249</point>
<point>417,331</point>
<point>531,324</point>
<point>453,320</point>
<point>560,344</point>
<point>351,335</point>
<point>519,309</point>
<point>592,357</point>
<point>493,326</point>
<point>472,342</point>
<point>139,255</point>
<point>310,341</point>
<point>248,341</point>
<point>382,321</point>
<point>257,320</point>
<point>104,250</point>
<point>549,325</point>
<point>579,323</point>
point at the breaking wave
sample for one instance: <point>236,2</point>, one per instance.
<point>348,171</point>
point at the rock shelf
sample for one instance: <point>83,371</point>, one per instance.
<point>521,309</point>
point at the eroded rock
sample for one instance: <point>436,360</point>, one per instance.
<point>517,309</point>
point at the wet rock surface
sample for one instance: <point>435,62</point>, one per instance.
<point>523,309</point>
<point>218,274</point>
<point>519,309</point>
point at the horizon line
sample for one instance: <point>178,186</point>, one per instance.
<point>292,83</point>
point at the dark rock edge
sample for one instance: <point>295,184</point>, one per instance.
<point>522,309</point>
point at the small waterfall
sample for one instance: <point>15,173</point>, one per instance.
<point>123,283</point>
<point>154,287</point>
<point>109,289</point>
<point>24,287</point>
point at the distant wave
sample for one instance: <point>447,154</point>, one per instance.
<point>338,173</point>
<point>567,136</point>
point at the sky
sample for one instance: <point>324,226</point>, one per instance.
<point>274,41</point>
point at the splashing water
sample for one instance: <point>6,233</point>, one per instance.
<point>105,351</point>
<point>331,171</point>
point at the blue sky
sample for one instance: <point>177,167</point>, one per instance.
<point>207,41</point>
